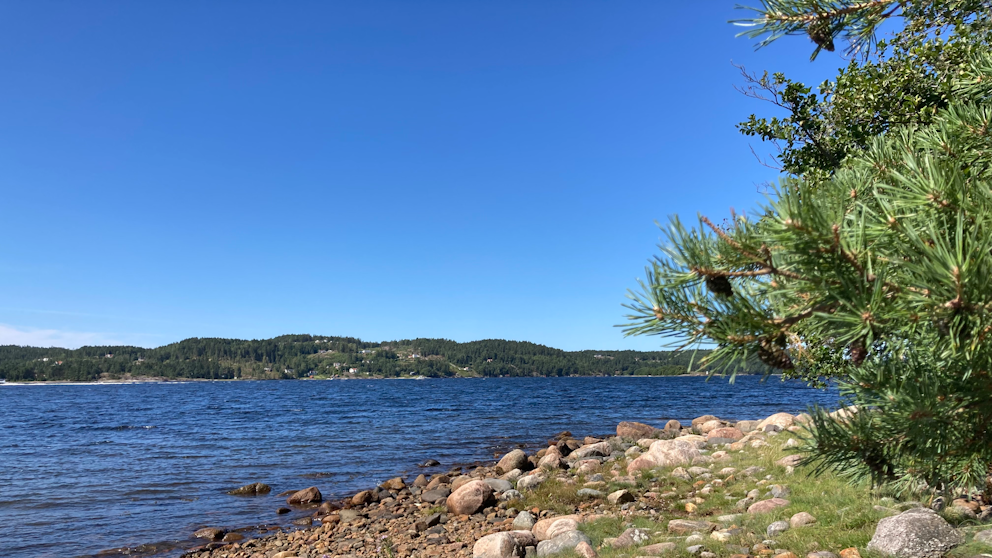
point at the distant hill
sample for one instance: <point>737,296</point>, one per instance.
<point>302,356</point>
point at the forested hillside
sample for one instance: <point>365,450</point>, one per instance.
<point>302,356</point>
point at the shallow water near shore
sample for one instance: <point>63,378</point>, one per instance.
<point>87,468</point>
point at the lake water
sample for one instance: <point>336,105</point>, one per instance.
<point>87,468</point>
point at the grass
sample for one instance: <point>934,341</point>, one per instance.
<point>844,512</point>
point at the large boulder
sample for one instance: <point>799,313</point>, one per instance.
<point>915,533</point>
<point>508,544</point>
<point>718,435</point>
<point>470,498</point>
<point>306,496</point>
<point>561,543</point>
<point>552,459</point>
<point>516,459</point>
<point>542,527</point>
<point>665,453</point>
<point>635,430</point>
<point>709,425</point>
<point>782,420</point>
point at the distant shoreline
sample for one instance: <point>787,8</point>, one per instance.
<point>206,380</point>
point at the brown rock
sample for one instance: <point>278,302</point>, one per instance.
<point>515,459</point>
<point>540,529</point>
<point>460,481</point>
<point>396,484</point>
<point>584,550</point>
<point>725,433</point>
<point>657,549</point>
<point>786,555</point>
<point>790,461</point>
<point>635,430</point>
<point>362,498</point>
<point>766,506</point>
<point>673,425</point>
<point>700,420</point>
<point>306,496</point>
<point>211,533</point>
<point>782,420</point>
<point>709,425</point>
<point>233,537</point>
<point>850,553</point>
<point>802,519</point>
<point>470,498</point>
<point>420,481</point>
<point>685,526</point>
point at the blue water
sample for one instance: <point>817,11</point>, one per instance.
<point>87,468</point>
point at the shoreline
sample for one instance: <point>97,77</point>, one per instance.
<point>156,380</point>
<point>376,508</point>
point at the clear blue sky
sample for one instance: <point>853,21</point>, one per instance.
<point>384,170</point>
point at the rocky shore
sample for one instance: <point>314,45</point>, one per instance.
<point>711,488</point>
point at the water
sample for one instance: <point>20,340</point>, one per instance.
<point>86,468</point>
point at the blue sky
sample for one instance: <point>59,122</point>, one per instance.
<point>384,170</point>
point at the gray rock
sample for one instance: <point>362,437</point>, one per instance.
<point>497,545</point>
<point>777,528</point>
<point>436,495</point>
<point>915,533</point>
<point>498,485</point>
<point>694,549</point>
<point>779,491</point>
<point>984,537</point>
<point>251,489</point>
<point>530,481</point>
<point>589,493</point>
<point>510,495</point>
<point>524,520</point>
<point>561,543</point>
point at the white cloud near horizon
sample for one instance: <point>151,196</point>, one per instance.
<point>35,337</point>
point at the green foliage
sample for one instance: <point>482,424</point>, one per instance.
<point>296,356</point>
<point>871,260</point>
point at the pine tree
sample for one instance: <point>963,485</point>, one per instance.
<point>874,267</point>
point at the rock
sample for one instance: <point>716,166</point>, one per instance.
<point>510,495</point>
<point>427,522</point>
<point>282,511</point>
<point>801,519</point>
<point>673,425</point>
<point>696,422</point>
<point>585,550</point>
<point>586,466</point>
<point>251,489</point>
<point>362,498</point>
<point>694,549</point>
<point>766,506</point>
<point>460,481</point>
<point>786,555</point>
<point>429,463</point>
<point>434,496</point>
<point>984,537</point>
<point>635,430</point>
<point>709,426</point>
<point>561,527</point>
<point>516,459</point>
<point>821,554</point>
<point>561,543</point>
<point>552,459</point>
<point>541,528</point>
<point>850,553</point>
<point>209,533</point>
<point>396,484</point>
<point>589,493</point>
<point>524,520</point>
<point>685,526</point>
<point>602,449</point>
<point>498,485</point>
<point>497,545</point>
<point>657,549</point>
<point>420,481</point>
<point>746,426</point>
<point>631,537</point>
<point>777,528</point>
<point>284,554</point>
<point>915,533</point>
<point>530,481</point>
<point>718,435</point>
<point>681,473</point>
<point>470,498</point>
<point>790,461</point>
<point>781,420</point>
<point>665,453</point>
<point>306,496</point>
<point>724,535</point>
<point>620,497</point>
<point>779,491</point>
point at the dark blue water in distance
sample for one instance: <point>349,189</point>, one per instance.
<point>87,468</point>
